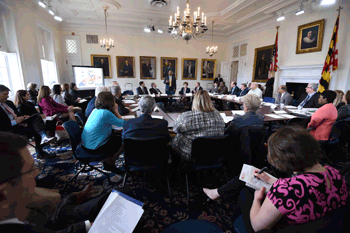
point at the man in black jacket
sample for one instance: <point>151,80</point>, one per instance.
<point>11,120</point>
<point>142,90</point>
<point>310,98</point>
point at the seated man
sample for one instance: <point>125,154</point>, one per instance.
<point>145,125</point>
<point>215,89</point>
<point>18,185</point>
<point>310,98</point>
<point>11,120</point>
<point>223,90</point>
<point>255,90</point>
<point>251,104</point>
<point>117,93</point>
<point>234,89</point>
<point>91,105</point>
<point>283,95</point>
<point>142,90</point>
<point>244,90</point>
<point>197,88</point>
<point>154,89</point>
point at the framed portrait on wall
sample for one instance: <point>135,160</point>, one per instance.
<point>125,67</point>
<point>208,69</point>
<point>147,67</point>
<point>262,60</point>
<point>167,64</point>
<point>104,62</point>
<point>310,37</point>
<point>189,68</point>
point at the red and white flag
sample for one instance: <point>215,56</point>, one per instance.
<point>274,58</point>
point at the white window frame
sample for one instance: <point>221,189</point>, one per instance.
<point>12,66</point>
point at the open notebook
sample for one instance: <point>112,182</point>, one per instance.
<point>247,175</point>
<point>120,213</point>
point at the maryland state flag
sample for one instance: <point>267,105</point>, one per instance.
<point>331,63</point>
<point>274,60</point>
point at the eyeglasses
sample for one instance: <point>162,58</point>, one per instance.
<point>34,167</point>
<point>308,87</point>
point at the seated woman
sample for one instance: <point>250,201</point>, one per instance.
<point>74,90</point>
<point>339,100</point>
<point>33,92</point>
<point>50,107</point>
<point>203,120</point>
<point>68,98</point>
<point>344,111</point>
<point>185,100</point>
<point>251,104</point>
<point>117,93</point>
<point>97,135</point>
<point>185,89</point>
<point>56,89</point>
<point>310,193</point>
<point>27,108</point>
<point>323,119</point>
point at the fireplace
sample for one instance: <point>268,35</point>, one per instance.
<point>296,89</point>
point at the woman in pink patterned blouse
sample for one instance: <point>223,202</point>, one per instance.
<point>51,107</point>
<point>312,192</point>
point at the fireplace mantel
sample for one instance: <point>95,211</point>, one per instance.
<point>300,74</point>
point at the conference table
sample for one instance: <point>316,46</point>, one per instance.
<point>271,112</point>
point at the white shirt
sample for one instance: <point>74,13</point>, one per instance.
<point>257,92</point>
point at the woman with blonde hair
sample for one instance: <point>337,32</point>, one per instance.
<point>51,107</point>
<point>203,120</point>
<point>33,92</point>
<point>338,102</point>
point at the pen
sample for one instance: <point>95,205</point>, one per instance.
<point>262,170</point>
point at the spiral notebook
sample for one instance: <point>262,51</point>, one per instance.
<point>247,175</point>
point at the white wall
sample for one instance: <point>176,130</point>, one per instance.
<point>135,45</point>
<point>288,32</point>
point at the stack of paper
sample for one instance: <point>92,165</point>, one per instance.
<point>163,94</point>
<point>189,94</point>
<point>238,112</point>
<point>135,109</point>
<point>157,117</point>
<point>134,105</point>
<point>280,112</point>
<point>129,101</point>
<point>289,106</point>
<point>128,117</point>
<point>228,119</point>
<point>82,101</point>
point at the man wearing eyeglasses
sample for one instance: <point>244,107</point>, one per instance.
<point>310,98</point>
<point>17,187</point>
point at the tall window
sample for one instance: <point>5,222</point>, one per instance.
<point>48,65</point>
<point>10,73</point>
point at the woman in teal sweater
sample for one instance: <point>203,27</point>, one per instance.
<point>97,135</point>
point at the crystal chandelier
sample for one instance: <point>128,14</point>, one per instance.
<point>212,49</point>
<point>189,26</point>
<point>107,42</point>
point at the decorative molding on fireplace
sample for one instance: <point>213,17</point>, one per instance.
<point>300,74</point>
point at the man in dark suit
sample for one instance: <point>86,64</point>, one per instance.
<point>117,93</point>
<point>142,90</point>
<point>11,120</point>
<point>283,95</point>
<point>197,88</point>
<point>154,89</point>
<point>189,71</point>
<point>218,79</point>
<point>244,90</point>
<point>170,83</point>
<point>17,188</point>
<point>310,98</point>
<point>234,89</point>
<point>145,125</point>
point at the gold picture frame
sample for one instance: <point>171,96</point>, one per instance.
<point>310,37</point>
<point>164,69</point>
<point>262,60</point>
<point>148,67</point>
<point>125,72</point>
<point>208,73</point>
<point>189,72</point>
<point>98,60</point>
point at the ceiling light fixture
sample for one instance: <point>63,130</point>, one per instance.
<point>106,42</point>
<point>42,3</point>
<point>281,18</point>
<point>58,18</point>
<point>327,2</point>
<point>212,49</point>
<point>190,26</point>
<point>151,28</point>
<point>147,30</point>
<point>301,7</point>
<point>299,12</point>
<point>160,30</point>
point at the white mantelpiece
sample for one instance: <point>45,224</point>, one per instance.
<point>300,74</point>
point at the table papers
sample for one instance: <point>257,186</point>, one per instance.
<point>158,117</point>
<point>289,106</point>
<point>189,94</point>
<point>238,112</point>
<point>288,116</point>
<point>129,101</point>
<point>128,117</point>
<point>116,127</point>
<point>134,105</point>
<point>274,116</point>
<point>135,109</point>
<point>82,101</point>
<point>280,112</point>
<point>163,94</point>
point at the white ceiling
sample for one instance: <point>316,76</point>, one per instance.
<point>133,15</point>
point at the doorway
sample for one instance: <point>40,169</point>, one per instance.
<point>234,71</point>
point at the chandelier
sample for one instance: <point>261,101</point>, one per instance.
<point>212,49</point>
<point>107,42</point>
<point>188,26</point>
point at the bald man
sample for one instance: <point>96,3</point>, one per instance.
<point>255,90</point>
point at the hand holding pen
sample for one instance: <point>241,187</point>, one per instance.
<point>261,175</point>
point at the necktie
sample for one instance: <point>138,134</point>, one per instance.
<point>304,101</point>
<point>9,110</point>
<point>170,78</point>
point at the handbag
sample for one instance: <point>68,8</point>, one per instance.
<point>61,133</point>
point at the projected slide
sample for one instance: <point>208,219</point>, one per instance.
<point>88,77</point>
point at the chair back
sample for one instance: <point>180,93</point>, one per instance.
<point>250,142</point>
<point>341,131</point>
<point>81,117</point>
<point>303,121</point>
<point>74,132</point>
<point>209,150</point>
<point>269,100</point>
<point>146,152</point>
<point>128,87</point>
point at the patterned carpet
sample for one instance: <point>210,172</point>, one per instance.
<point>159,211</point>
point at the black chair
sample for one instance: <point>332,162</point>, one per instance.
<point>300,121</point>
<point>81,118</point>
<point>145,155</point>
<point>208,153</point>
<point>79,153</point>
<point>248,147</point>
